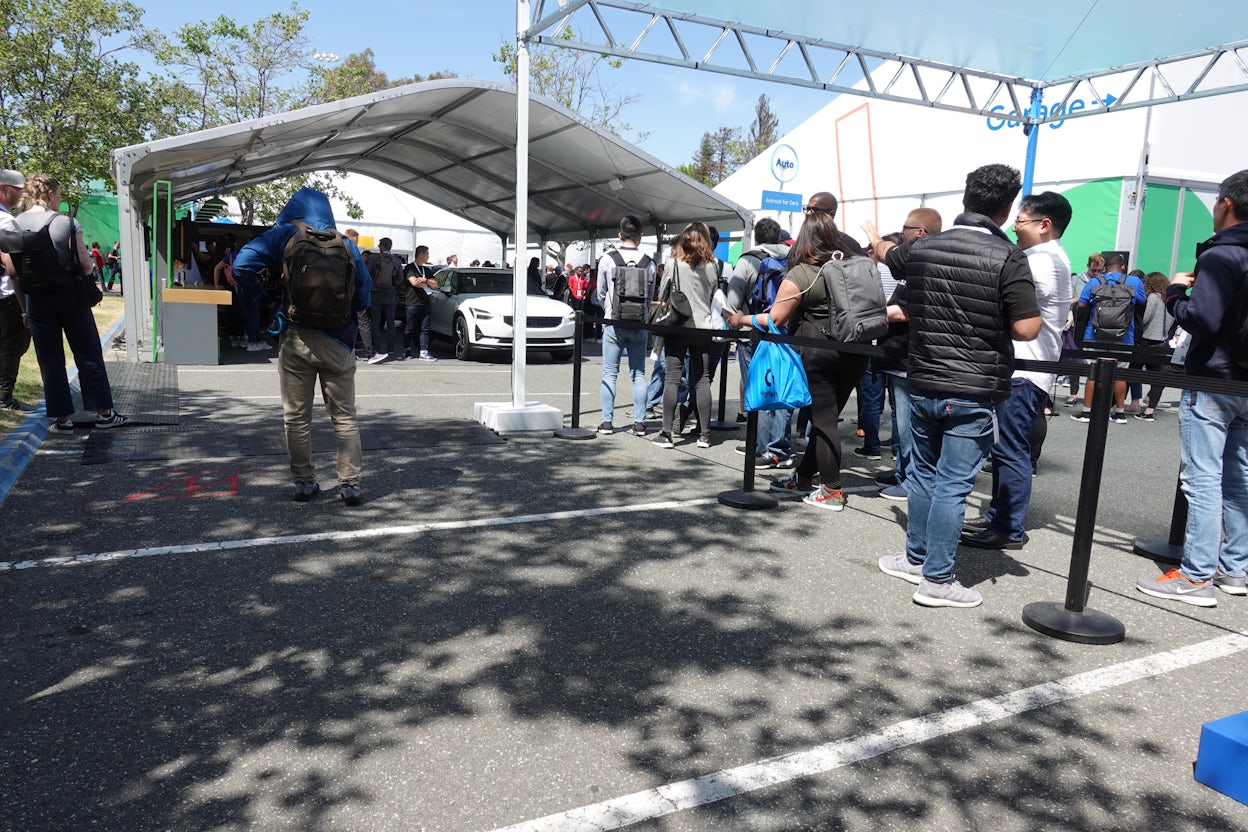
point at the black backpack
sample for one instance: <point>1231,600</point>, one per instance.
<point>387,268</point>
<point>319,273</point>
<point>1113,312</point>
<point>631,282</point>
<point>38,268</point>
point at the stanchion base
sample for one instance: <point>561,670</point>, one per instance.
<point>574,433</point>
<point>1087,627</point>
<point>718,425</point>
<point>1159,550</point>
<point>755,500</point>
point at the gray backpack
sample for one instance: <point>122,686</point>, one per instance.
<point>1114,309</point>
<point>631,282</point>
<point>856,303</point>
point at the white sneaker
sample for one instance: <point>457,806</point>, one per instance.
<point>255,347</point>
<point>379,357</point>
<point>424,356</point>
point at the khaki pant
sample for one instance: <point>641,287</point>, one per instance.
<point>304,355</point>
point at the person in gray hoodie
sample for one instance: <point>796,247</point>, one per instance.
<point>775,440</point>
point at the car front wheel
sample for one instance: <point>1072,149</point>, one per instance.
<point>463,346</point>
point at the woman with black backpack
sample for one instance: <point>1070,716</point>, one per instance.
<point>831,375</point>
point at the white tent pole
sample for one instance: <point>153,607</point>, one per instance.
<point>520,319</point>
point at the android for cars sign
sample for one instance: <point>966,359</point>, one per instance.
<point>784,163</point>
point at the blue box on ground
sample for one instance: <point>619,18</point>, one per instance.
<point>1222,761</point>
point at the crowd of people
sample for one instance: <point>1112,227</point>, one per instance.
<point>964,303</point>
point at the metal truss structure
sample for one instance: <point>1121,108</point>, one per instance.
<point>643,31</point>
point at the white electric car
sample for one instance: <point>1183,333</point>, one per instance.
<point>473,309</point>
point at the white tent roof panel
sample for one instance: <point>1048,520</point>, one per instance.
<point>450,143</point>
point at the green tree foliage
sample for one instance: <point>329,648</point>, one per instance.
<point>358,75</point>
<point>723,151</point>
<point>67,98</point>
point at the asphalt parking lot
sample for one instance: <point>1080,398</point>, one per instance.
<point>548,635</point>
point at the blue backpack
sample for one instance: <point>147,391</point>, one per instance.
<point>771,272</point>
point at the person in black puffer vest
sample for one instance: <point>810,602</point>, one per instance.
<point>969,292</point>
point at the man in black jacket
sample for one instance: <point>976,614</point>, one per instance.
<point>969,292</point>
<point>1210,304</point>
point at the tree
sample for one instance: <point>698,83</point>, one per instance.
<point>358,75</point>
<point>574,79</point>
<point>66,97</point>
<point>722,152</point>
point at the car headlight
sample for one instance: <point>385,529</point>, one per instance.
<point>482,315</point>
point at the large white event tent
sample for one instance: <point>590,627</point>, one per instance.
<point>451,143</point>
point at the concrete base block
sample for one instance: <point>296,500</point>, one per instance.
<point>504,417</point>
<point>1222,761</point>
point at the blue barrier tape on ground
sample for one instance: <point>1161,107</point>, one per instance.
<point>18,448</point>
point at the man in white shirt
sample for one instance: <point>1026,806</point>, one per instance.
<point>1042,218</point>
<point>14,333</point>
<point>618,302</point>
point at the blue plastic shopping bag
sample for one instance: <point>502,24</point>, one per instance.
<point>776,379</point>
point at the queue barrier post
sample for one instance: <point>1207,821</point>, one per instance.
<point>1074,621</point>
<point>747,497</point>
<point>1168,551</point>
<point>576,432</point>
<point>722,423</point>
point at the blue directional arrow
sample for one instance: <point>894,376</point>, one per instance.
<point>1109,99</point>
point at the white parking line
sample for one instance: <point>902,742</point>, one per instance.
<point>356,534</point>
<point>711,788</point>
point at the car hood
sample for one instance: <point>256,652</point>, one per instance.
<point>538,306</point>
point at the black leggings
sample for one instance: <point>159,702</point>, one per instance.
<point>698,349</point>
<point>832,376</point>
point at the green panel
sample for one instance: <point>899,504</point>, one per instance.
<point>1094,222</point>
<point>1197,227</point>
<point>1161,207</point>
<point>98,215</point>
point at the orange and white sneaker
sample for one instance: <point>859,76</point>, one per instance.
<point>824,497</point>
<point>1175,586</point>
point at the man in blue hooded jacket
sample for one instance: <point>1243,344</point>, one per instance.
<point>308,353</point>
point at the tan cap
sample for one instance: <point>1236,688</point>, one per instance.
<point>12,178</point>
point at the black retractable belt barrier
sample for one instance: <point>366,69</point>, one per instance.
<point>1074,621</point>
<point>576,431</point>
<point>1168,551</point>
<point>747,497</point>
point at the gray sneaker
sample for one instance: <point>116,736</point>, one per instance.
<point>1175,586</point>
<point>899,566</point>
<point>952,594</point>
<point>351,495</point>
<point>305,491</point>
<point>1230,584</point>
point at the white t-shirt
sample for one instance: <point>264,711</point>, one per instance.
<point>1050,270</point>
<point>606,273</point>
<point>7,223</point>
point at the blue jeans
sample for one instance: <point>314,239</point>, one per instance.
<point>902,440</point>
<point>870,407</point>
<point>616,340</point>
<point>417,329</point>
<point>775,427</point>
<point>1011,459</point>
<point>952,438</point>
<point>1213,471</point>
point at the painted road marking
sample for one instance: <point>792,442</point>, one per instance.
<point>732,782</point>
<point>356,534</point>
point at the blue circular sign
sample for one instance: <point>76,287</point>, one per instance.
<point>784,163</point>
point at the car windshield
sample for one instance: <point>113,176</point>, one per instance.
<point>492,283</point>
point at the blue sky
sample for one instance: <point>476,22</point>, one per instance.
<point>677,105</point>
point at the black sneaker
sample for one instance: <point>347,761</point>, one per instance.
<point>639,428</point>
<point>887,478</point>
<point>741,418</point>
<point>606,429</point>
<point>664,440</point>
<point>305,491</point>
<point>867,453</point>
<point>1118,417</point>
<point>351,495</point>
<point>740,449</point>
<point>1145,416</point>
<point>66,426</point>
<point>113,420</point>
<point>14,404</point>
<point>1081,416</point>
